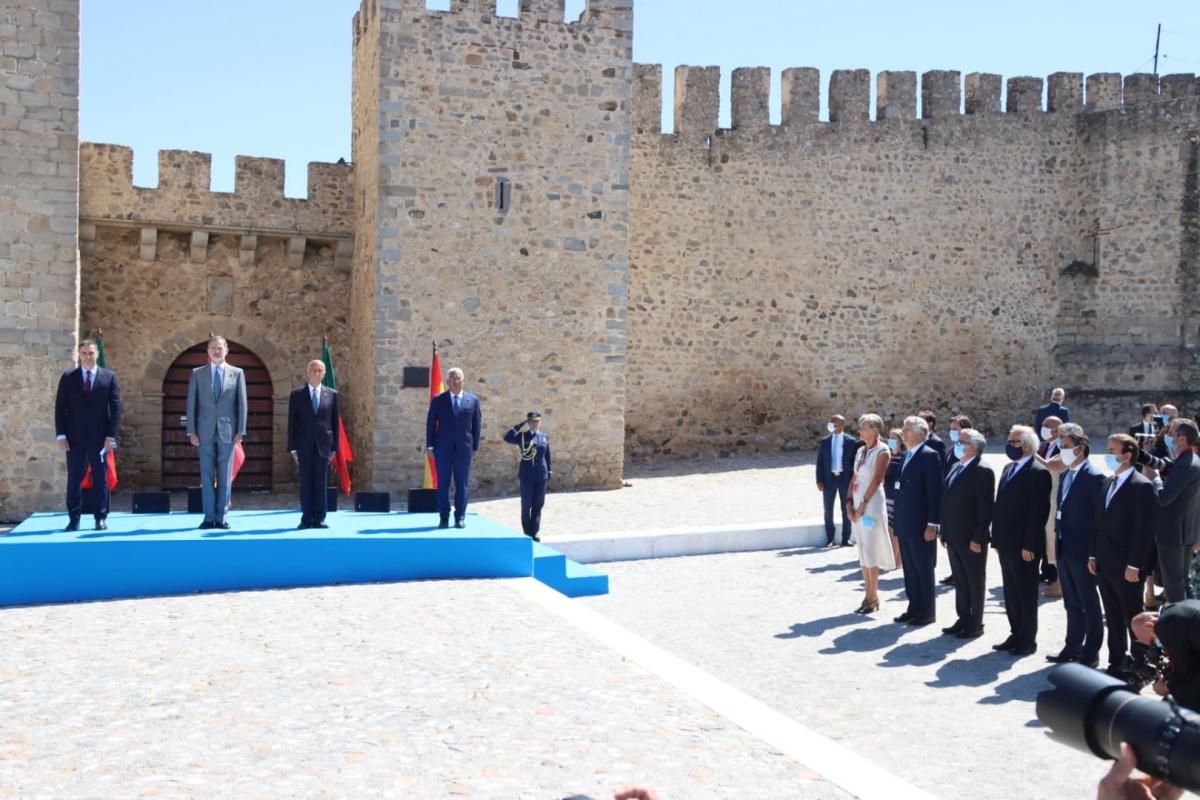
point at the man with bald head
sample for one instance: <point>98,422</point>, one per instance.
<point>312,441</point>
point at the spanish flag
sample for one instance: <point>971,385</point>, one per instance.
<point>436,387</point>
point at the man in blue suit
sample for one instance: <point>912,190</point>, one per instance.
<point>312,441</point>
<point>87,415</point>
<point>1054,408</point>
<point>1080,494</point>
<point>835,468</point>
<point>918,518</point>
<point>452,430</point>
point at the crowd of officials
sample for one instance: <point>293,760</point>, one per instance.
<point>1104,540</point>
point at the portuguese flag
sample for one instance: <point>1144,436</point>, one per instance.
<point>341,461</point>
<point>436,387</point>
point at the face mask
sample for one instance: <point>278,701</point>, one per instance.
<point>1069,457</point>
<point>959,451</point>
<point>1112,462</point>
<point>1046,433</point>
<point>893,444</point>
<point>829,427</point>
<point>1013,452</point>
<point>1169,441</point>
<point>1162,419</point>
<point>953,435</point>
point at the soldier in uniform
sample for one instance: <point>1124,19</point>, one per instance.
<point>534,471</point>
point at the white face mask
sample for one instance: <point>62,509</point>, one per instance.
<point>830,427</point>
<point>1069,457</point>
<point>1046,434</point>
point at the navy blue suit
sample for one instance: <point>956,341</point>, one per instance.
<point>1121,539</point>
<point>454,437</point>
<point>919,504</point>
<point>1019,523</point>
<point>1073,530</point>
<point>313,437</point>
<point>1050,410</point>
<point>836,487</point>
<point>534,472</point>
<point>86,419</point>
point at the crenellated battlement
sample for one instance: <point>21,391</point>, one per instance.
<point>941,94</point>
<point>616,15</point>
<point>183,197</point>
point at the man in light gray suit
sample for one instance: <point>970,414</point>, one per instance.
<point>216,422</point>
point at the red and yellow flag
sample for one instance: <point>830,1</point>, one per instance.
<point>436,387</point>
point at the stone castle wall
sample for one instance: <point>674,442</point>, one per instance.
<point>162,267</point>
<point>39,219</point>
<point>457,114</point>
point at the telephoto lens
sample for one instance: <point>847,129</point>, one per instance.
<point>1094,712</point>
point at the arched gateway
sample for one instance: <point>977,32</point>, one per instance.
<point>180,463</point>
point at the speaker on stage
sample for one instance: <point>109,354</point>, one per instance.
<point>422,501</point>
<point>195,500</point>
<point>331,498</point>
<point>373,501</point>
<point>152,502</point>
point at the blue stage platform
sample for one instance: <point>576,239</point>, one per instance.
<point>144,555</point>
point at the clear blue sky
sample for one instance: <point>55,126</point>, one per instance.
<point>272,77</point>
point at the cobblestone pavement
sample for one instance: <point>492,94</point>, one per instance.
<point>948,715</point>
<point>429,689</point>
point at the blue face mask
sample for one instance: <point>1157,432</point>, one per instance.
<point>1112,462</point>
<point>953,435</point>
<point>1169,441</point>
<point>893,444</point>
<point>959,451</point>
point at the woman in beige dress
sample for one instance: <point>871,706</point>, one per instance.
<point>868,511</point>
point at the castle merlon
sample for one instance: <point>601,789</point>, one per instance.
<point>941,94</point>
<point>184,196</point>
<point>616,15</point>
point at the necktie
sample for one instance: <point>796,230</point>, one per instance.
<point>907,458</point>
<point>1111,491</point>
<point>455,398</point>
<point>316,399</point>
<point>1067,481</point>
<point>218,382</point>
<point>954,474</point>
<point>1008,474</point>
<point>87,381</point>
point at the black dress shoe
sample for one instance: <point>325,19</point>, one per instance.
<point>206,525</point>
<point>223,525</point>
<point>459,522</point>
<point>920,623</point>
<point>72,525</point>
<point>953,629</point>
<point>969,633</point>
<point>830,543</point>
<point>947,581</point>
<point>1007,644</point>
<point>1024,650</point>
<point>536,538</point>
<point>304,525</point>
<point>845,544</point>
<point>1062,658</point>
<point>319,525</point>
<point>101,525</point>
<point>905,617</point>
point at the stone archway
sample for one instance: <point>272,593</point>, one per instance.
<point>180,466</point>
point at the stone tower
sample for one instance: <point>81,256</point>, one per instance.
<point>39,221</point>
<point>492,186</point>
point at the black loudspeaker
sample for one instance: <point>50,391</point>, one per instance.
<point>422,501</point>
<point>331,498</point>
<point>152,502</point>
<point>378,502</point>
<point>195,500</point>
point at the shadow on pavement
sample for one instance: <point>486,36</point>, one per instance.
<point>836,567</point>
<point>1022,688</point>
<point>819,626</point>
<point>864,640</point>
<point>918,654</point>
<point>971,671</point>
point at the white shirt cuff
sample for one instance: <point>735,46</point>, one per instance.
<point>62,436</point>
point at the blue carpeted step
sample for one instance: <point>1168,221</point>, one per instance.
<point>565,576</point>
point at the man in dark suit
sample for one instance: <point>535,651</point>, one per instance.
<point>1177,530</point>
<point>1019,536</point>
<point>1120,546</point>
<point>1080,496</point>
<point>949,459</point>
<point>835,468</point>
<point>934,441</point>
<point>1146,431</point>
<point>452,430</point>
<point>1177,628</point>
<point>918,516</point>
<point>87,415</point>
<point>966,522</point>
<point>1054,408</point>
<point>312,441</point>
<point>534,471</point>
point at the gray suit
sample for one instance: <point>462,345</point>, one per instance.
<point>1177,528</point>
<point>216,417</point>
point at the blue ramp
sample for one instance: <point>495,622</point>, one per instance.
<point>566,576</point>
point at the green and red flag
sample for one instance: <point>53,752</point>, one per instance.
<point>343,457</point>
<point>436,387</point>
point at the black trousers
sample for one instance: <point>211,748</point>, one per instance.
<point>1174,564</point>
<point>970,581</point>
<point>533,497</point>
<point>837,492</point>
<point>919,558</point>
<point>1020,596</point>
<point>78,458</point>
<point>1085,620</point>
<point>314,477</point>
<point>1122,602</point>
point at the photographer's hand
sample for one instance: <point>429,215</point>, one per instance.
<point>1120,783</point>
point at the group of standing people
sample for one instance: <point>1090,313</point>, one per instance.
<point>1050,515</point>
